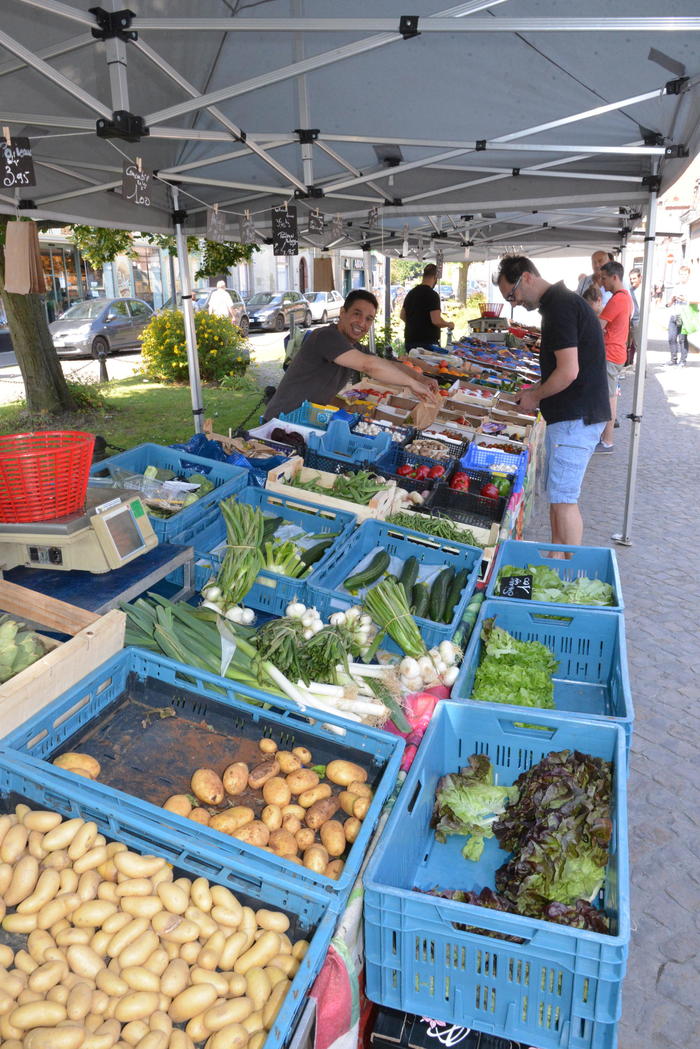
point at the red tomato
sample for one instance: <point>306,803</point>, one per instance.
<point>405,471</point>
<point>422,472</point>
<point>436,471</point>
<point>489,491</point>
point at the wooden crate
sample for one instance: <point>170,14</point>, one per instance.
<point>279,478</point>
<point>94,640</point>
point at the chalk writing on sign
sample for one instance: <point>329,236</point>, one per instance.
<point>216,226</point>
<point>285,240</point>
<point>518,586</point>
<point>16,163</point>
<point>136,184</point>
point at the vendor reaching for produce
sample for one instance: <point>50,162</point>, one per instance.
<point>329,356</point>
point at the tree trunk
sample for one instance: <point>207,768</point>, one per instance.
<point>462,283</point>
<point>44,382</point>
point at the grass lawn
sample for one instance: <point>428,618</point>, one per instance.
<point>135,410</point>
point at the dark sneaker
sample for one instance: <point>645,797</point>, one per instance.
<point>600,447</point>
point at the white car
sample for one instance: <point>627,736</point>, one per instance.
<point>324,305</point>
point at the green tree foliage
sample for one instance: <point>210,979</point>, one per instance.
<point>218,258</point>
<point>100,246</point>
<point>223,351</point>
<point>403,270</point>
<point>168,243</point>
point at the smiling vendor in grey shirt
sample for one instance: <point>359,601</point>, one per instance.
<point>329,357</point>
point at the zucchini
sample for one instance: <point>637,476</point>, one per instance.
<point>421,598</point>
<point>408,576</point>
<point>377,566</point>
<point>270,526</point>
<point>314,553</point>
<point>438,594</point>
<point>456,587</point>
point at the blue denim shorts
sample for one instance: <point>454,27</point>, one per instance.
<point>569,447</point>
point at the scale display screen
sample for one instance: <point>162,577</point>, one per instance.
<point>124,531</point>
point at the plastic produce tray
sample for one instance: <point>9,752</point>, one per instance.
<point>151,722</point>
<point>455,450</point>
<point>592,680</point>
<point>181,526</point>
<point>451,501</point>
<point>317,415</point>
<point>23,780</point>
<point>596,562</point>
<point>400,544</point>
<point>492,459</point>
<point>272,592</point>
<point>279,480</point>
<point>560,988</point>
<point>407,433</point>
<point>348,449</point>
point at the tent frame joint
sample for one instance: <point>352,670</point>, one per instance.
<point>179,217</point>
<point>634,418</point>
<point>310,192</point>
<point>480,145</point>
<point>113,24</point>
<point>123,125</point>
<point>307,135</point>
<point>676,152</point>
<point>408,26</point>
<point>26,205</point>
<point>678,86</point>
<point>652,183</point>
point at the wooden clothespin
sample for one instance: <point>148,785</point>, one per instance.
<point>138,164</point>
<point>216,208</point>
<point>6,135</point>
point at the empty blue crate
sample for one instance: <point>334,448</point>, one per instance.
<point>401,543</point>
<point>514,977</point>
<point>24,781</point>
<point>338,448</point>
<point>592,679</point>
<point>316,415</point>
<point>272,592</point>
<point>150,722</point>
<point>179,528</point>
<point>595,562</point>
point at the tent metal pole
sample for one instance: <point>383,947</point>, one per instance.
<point>188,314</point>
<point>387,290</point>
<point>367,265</point>
<point>623,537</point>
<point>53,76</point>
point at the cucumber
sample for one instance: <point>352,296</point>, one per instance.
<point>421,597</point>
<point>314,553</point>
<point>377,566</point>
<point>456,587</point>
<point>438,594</point>
<point>270,526</point>
<point>408,576</point>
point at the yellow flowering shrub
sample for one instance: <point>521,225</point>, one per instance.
<point>222,349</point>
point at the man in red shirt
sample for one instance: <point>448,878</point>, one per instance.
<point>615,320</point>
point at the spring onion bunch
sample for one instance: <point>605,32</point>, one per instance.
<point>243,559</point>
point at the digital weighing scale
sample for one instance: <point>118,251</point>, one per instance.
<point>111,531</point>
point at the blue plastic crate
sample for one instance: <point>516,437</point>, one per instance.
<point>311,918</point>
<point>596,562</point>
<point>407,433</point>
<point>559,988</point>
<point>317,415</point>
<point>492,459</point>
<point>456,451</point>
<point>349,449</point>
<point>400,544</point>
<point>149,756</point>
<point>592,680</point>
<point>181,526</point>
<point>272,592</point>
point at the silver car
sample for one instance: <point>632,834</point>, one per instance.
<point>325,305</point>
<point>97,327</point>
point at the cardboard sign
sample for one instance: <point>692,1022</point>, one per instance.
<point>136,185</point>
<point>316,222</point>
<point>517,586</point>
<point>216,226</point>
<point>16,164</point>
<point>285,240</point>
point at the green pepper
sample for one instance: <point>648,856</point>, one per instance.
<point>503,485</point>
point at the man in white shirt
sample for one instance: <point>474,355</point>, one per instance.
<point>598,259</point>
<point>220,302</point>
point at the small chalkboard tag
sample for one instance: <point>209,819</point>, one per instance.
<point>316,222</point>
<point>519,586</point>
<point>216,225</point>
<point>136,184</point>
<point>284,231</point>
<point>16,163</point>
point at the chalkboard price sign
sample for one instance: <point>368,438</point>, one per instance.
<point>136,184</point>
<point>519,586</point>
<point>16,164</point>
<point>316,222</point>
<point>216,226</point>
<point>285,240</point>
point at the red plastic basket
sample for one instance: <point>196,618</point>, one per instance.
<point>491,309</point>
<point>44,475</point>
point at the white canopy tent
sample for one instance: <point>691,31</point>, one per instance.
<point>488,126</point>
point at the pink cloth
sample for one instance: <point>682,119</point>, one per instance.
<point>333,995</point>
<point>418,708</point>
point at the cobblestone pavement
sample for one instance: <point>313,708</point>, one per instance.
<point>661,586</point>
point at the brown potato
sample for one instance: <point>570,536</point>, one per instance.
<point>231,820</point>
<point>305,837</point>
<point>292,824</point>
<point>333,837</point>
<point>361,808</point>
<point>207,787</point>
<point>200,815</point>
<point>303,779</point>
<point>267,745</point>
<point>351,828</point>
<point>276,791</point>
<point>363,790</point>
<point>303,753</point>
<point>288,762</point>
<point>321,811</point>
<point>316,858</point>
<point>344,772</point>
<point>293,810</point>
<point>235,778</point>
<point>310,797</point>
<point>283,843</point>
<point>334,869</point>
<point>258,776</point>
<point>347,801</point>
<point>254,833</point>
<point>271,816</point>
<point>179,804</point>
<point>82,764</point>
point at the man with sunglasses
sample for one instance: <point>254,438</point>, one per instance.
<point>573,390</point>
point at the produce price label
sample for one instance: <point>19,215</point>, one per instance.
<point>216,226</point>
<point>16,163</point>
<point>136,184</point>
<point>316,222</point>
<point>519,586</point>
<point>285,240</point>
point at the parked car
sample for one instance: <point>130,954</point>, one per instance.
<point>325,305</point>
<point>201,302</point>
<point>267,310</point>
<point>446,291</point>
<point>96,327</point>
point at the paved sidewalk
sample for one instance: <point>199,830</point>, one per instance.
<point>661,585</point>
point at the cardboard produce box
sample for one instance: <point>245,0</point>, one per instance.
<point>279,480</point>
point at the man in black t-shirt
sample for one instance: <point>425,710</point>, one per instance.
<point>573,390</point>
<point>422,315</point>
